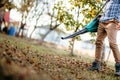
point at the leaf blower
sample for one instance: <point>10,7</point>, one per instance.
<point>91,27</point>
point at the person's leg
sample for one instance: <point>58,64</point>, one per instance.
<point>101,34</point>
<point>112,34</point>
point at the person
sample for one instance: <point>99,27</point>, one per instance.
<point>109,24</point>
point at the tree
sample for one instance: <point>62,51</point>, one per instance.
<point>45,9</point>
<point>52,25</point>
<point>87,8</point>
<point>53,20</point>
<point>38,11</point>
<point>24,9</point>
<point>3,2</point>
<point>6,4</point>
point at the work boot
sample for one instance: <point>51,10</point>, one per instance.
<point>117,68</point>
<point>95,66</point>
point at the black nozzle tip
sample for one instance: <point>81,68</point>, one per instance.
<point>62,38</point>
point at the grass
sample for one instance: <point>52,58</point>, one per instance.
<point>52,63</point>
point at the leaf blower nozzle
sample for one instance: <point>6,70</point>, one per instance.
<point>84,30</point>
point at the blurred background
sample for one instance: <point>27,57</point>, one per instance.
<point>49,20</point>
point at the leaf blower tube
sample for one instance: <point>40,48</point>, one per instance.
<point>91,27</point>
<point>75,34</point>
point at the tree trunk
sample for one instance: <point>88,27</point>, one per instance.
<point>32,32</point>
<point>72,50</point>
<point>43,38</point>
